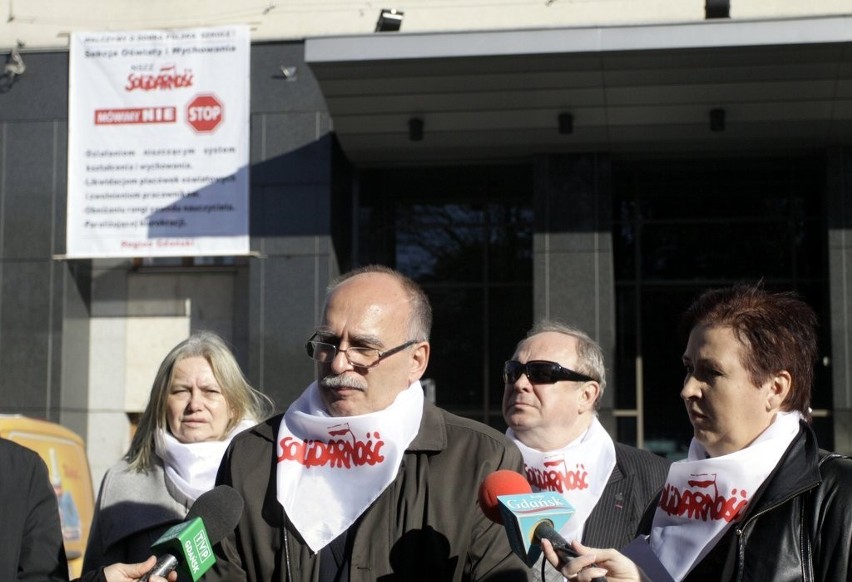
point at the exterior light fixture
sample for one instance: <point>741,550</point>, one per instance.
<point>717,119</point>
<point>566,123</point>
<point>415,129</point>
<point>717,9</point>
<point>389,20</point>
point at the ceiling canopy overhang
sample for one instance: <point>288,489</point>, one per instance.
<point>631,89</point>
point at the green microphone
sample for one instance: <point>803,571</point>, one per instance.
<point>188,546</point>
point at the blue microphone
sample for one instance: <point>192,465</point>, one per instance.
<point>507,498</point>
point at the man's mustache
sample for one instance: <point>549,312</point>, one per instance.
<point>343,381</point>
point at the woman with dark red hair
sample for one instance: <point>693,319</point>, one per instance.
<point>756,498</point>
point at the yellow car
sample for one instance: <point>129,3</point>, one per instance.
<point>65,455</point>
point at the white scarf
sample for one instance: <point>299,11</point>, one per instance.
<point>192,467</point>
<point>579,471</point>
<point>330,469</point>
<point>703,496</point>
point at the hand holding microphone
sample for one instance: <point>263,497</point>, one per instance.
<point>188,546</point>
<point>529,518</point>
<point>594,563</point>
<point>133,572</point>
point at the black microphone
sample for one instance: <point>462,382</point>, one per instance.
<point>565,551</point>
<point>188,546</point>
<point>544,531</point>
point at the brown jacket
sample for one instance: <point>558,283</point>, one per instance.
<point>426,526</point>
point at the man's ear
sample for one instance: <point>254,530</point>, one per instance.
<point>419,360</point>
<point>780,385</point>
<point>589,394</point>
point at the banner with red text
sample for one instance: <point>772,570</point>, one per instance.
<point>158,143</point>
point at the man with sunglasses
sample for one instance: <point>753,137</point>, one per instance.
<point>361,479</point>
<point>553,384</point>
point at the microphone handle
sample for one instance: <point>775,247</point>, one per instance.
<point>165,564</point>
<point>544,530</point>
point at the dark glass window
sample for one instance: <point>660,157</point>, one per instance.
<point>464,234</point>
<point>682,226</point>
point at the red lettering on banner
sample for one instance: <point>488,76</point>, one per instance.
<point>335,453</point>
<point>557,477</point>
<point>168,78</point>
<point>135,115</point>
<point>703,506</point>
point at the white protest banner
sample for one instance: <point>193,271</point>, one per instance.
<point>158,143</point>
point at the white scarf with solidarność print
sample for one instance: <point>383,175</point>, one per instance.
<point>704,496</point>
<point>579,471</point>
<point>331,468</point>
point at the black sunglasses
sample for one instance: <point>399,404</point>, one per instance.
<point>541,372</point>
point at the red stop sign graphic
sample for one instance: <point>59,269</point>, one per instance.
<point>204,113</point>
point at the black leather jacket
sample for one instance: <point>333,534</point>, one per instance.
<point>799,526</point>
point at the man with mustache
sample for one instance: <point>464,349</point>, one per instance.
<point>362,479</point>
<point>553,384</point>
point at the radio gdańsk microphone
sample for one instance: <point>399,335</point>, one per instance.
<point>188,546</point>
<point>507,498</point>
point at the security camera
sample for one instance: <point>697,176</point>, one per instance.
<point>14,64</point>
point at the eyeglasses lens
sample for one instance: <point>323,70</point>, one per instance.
<point>541,372</point>
<point>321,352</point>
<point>537,372</point>
<point>511,372</point>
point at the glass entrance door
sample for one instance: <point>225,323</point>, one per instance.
<point>684,226</point>
<point>465,234</point>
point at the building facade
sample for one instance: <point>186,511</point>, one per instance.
<point>596,162</point>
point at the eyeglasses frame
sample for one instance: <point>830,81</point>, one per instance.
<point>310,347</point>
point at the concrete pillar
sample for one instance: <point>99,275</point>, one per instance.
<point>839,220</point>
<point>573,261</point>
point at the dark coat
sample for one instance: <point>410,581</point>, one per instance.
<point>798,526</point>
<point>426,526</point>
<point>30,538</point>
<point>636,480</point>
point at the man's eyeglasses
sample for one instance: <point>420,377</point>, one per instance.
<point>541,372</point>
<point>325,353</point>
